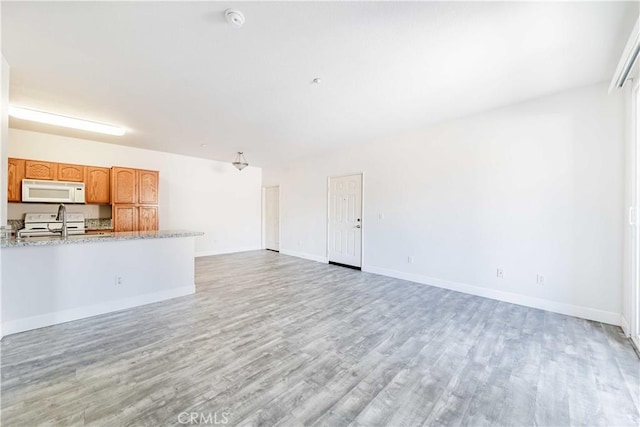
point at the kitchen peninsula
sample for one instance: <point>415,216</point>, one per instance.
<point>49,280</point>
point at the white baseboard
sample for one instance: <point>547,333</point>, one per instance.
<point>49,319</point>
<point>625,325</point>
<point>228,251</point>
<point>310,257</point>
<point>528,301</point>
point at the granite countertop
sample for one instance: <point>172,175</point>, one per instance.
<point>97,238</point>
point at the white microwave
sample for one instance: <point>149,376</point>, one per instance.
<point>52,191</point>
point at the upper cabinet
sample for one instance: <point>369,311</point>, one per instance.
<point>97,180</point>
<point>74,173</point>
<point>148,187</point>
<point>35,169</point>
<point>123,186</point>
<point>97,185</point>
<point>14,178</point>
<point>134,186</point>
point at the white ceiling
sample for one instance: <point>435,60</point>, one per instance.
<point>178,76</point>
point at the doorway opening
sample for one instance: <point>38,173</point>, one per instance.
<point>344,219</point>
<point>271,221</point>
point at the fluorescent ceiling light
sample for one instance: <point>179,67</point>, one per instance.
<point>64,121</point>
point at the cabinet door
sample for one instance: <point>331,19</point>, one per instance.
<point>125,218</point>
<point>123,186</point>
<point>147,187</point>
<point>35,169</point>
<point>97,185</point>
<point>74,173</point>
<point>148,218</point>
<point>14,180</point>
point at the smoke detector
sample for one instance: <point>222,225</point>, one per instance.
<point>234,17</point>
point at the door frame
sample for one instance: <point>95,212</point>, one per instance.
<point>363,226</point>
<point>264,217</point>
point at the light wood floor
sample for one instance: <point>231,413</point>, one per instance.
<point>274,340</point>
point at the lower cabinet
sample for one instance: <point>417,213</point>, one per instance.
<point>135,218</point>
<point>147,218</point>
<point>125,218</point>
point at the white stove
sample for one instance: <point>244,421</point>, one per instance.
<point>40,224</point>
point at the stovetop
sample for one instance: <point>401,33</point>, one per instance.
<point>42,224</point>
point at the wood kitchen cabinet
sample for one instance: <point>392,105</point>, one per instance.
<point>147,218</point>
<point>135,218</point>
<point>73,173</point>
<point>14,180</point>
<point>97,180</point>
<point>124,186</point>
<point>97,185</point>
<point>125,217</point>
<point>147,187</point>
<point>36,169</point>
<point>134,194</point>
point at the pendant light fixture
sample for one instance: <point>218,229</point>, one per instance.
<point>240,162</point>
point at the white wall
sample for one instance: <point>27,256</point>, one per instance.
<point>532,188</point>
<point>74,281</point>
<point>4,137</point>
<point>4,144</point>
<point>195,194</point>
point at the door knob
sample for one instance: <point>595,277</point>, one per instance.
<point>357,226</point>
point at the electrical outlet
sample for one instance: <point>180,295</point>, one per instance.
<point>380,216</point>
<point>118,280</point>
<point>500,273</point>
<point>540,279</point>
<point>410,259</point>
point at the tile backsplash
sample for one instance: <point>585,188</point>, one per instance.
<point>17,224</point>
<point>98,223</point>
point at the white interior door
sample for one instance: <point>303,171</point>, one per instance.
<point>345,220</point>
<point>272,218</point>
